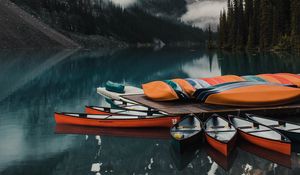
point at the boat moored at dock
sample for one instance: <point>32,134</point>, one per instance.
<point>261,135</point>
<point>220,134</point>
<point>186,133</point>
<point>107,120</point>
<point>289,129</point>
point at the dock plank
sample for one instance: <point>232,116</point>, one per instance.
<point>181,108</point>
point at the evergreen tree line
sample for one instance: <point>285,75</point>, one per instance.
<point>102,17</point>
<point>260,24</point>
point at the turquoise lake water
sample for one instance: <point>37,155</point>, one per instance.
<point>36,83</point>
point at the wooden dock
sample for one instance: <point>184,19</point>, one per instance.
<point>181,108</point>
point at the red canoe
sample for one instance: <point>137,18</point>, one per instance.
<point>220,135</point>
<point>261,135</point>
<point>107,120</point>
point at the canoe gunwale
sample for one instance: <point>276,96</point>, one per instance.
<point>190,136</point>
<point>276,120</point>
<point>157,122</point>
<point>215,143</point>
<point>94,107</point>
<point>109,115</point>
<point>108,110</point>
<point>222,141</point>
<point>288,141</point>
<point>127,105</point>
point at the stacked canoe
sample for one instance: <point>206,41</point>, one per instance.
<point>229,90</point>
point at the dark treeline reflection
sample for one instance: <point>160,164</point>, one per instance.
<point>258,63</point>
<point>35,84</point>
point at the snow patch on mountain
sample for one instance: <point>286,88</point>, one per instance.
<point>203,13</point>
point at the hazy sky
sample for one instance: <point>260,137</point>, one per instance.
<point>203,13</point>
<point>199,13</point>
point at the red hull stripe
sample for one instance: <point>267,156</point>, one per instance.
<point>219,146</point>
<point>145,122</point>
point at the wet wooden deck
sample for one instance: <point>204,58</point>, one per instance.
<point>181,108</point>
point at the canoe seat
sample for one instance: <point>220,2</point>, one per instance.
<point>217,131</point>
<point>183,127</point>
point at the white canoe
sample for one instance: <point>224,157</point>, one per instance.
<point>132,106</point>
<point>129,90</point>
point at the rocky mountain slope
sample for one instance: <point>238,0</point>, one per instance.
<point>18,29</point>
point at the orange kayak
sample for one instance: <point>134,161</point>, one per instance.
<point>108,120</point>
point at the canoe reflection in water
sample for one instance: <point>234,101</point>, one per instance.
<point>183,159</point>
<point>223,161</point>
<point>151,133</point>
<point>275,157</point>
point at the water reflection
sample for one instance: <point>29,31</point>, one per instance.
<point>225,162</point>
<point>151,133</point>
<point>34,84</point>
<point>272,156</point>
<point>257,63</point>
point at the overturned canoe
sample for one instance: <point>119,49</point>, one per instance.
<point>190,88</point>
<point>289,129</point>
<point>107,120</point>
<point>220,134</point>
<point>261,135</point>
<point>186,133</point>
<point>253,95</point>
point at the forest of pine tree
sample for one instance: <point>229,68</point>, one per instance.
<point>260,25</point>
<point>101,17</point>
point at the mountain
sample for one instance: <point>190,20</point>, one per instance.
<point>127,20</point>
<point>200,13</point>
<point>172,9</point>
<point>19,29</point>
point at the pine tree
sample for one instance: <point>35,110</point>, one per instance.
<point>221,30</point>
<point>281,20</point>
<point>229,23</point>
<point>210,40</point>
<point>265,24</point>
<point>248,16</point>
<point>295,24</point>
<point>240,38</point>
<point>225,28</point>
<point>276,22</point>
<point>256,22</point>
<point>251,35</point>
<point>233,12</point>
